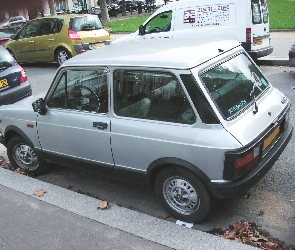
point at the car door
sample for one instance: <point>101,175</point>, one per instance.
<point>24,46</point>
<point>76,127</point>
<point>44,43</point>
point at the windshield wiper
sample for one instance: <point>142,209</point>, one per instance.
<point>254,98</point>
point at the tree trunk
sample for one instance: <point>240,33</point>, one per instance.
<point>104,11</point>
<point>51,7</point>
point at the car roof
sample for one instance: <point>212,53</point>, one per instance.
<point>165,53</point>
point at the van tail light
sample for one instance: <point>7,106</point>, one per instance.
<point>73,35</point>
<point>23,76</point>
<point>248,35</point>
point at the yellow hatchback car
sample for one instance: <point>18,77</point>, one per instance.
<point>57,38</point>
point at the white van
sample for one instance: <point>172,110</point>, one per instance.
<point>244,20</point>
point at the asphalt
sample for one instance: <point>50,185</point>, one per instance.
<point>63,219</point>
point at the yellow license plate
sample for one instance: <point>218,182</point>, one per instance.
<point>97,45</point>
<point>271,137</point>
<point>3,83</point>
<point>257,41</point>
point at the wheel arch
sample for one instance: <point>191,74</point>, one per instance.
<point>12,130</point>
<point>160,164</point>
<point>64,46</point>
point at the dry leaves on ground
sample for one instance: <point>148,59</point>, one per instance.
<point>103,205</point>
<point>39,192</point>
<point>247,233</point>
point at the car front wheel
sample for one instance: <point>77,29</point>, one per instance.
<point>61,56</point>
<point>183,194</point>
<point>22,156</point>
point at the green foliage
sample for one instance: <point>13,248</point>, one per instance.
<point>281,14</point>
<point>125,25</point>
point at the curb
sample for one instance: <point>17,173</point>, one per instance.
<point>273,62</point>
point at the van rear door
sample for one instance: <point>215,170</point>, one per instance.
<point>258,34</point>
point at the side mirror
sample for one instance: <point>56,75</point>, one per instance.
<point>39,106</point>
<point>13,37</point>
<point>141,30</point>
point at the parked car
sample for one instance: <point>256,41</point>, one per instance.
<point>57,38</point>
<point>14,84</point>
<point>130,5</point>
<point>208,124</point>
<point>5,34</point>
<point>15,22</point>
<point>95,11</point>
<point>292,55</point>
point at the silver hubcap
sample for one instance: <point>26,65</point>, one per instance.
<point>181,195</point>
<point>62,57</point>
<point>25,157</point>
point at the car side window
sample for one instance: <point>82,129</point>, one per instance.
<point>30,30</point>
<point>160,23</point>
<point>48,26</point>
<point>151,95</point>
<point>84,90</point>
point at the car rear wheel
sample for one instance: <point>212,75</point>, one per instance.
<point>61,56</point>
<point>22,156</point>
<point>183,194</point>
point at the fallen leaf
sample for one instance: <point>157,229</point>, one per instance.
<point>39,192</point>
<point>261,212</point>
<point>163,217</point>
<point>103,205</point>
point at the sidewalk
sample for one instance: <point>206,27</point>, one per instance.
<point>63,219</point>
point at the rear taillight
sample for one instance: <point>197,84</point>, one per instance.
<point>23,76</point>
<point>73,35</point>
<point>248,35</point>
<point>246,162</point>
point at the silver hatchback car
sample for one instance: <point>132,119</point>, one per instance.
<point>195,119</point>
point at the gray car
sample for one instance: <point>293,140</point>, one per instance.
<point>197,120</point>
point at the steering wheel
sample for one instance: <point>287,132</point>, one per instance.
<point>156,29</point>
<point>90,105</point>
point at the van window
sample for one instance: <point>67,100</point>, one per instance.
<point>259,11</point>
<point>234,85</point>
<point>160,23</point>
<point>151,95</point>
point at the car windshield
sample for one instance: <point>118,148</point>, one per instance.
<point>234,85</point>
<point>6,59</point>
<point>89,22</point>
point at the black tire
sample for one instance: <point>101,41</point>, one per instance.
<point>61,55</point>
<point>183,194</point>
<point>22,156</point>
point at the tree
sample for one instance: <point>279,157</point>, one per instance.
<point>104,10</point>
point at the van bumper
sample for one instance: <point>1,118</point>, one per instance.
<point>233,188</point>
<point>260,53</point>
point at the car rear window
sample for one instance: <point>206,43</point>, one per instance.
<point>88,22</point>
<point>234,85</point>
<point>6,60</point>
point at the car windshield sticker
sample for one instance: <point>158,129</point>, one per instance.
<point>237,107</point>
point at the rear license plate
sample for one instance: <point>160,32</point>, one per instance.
<point>271,137</point>
<point>97,45</point>
<point>257,41</point>
<point>3,83</point>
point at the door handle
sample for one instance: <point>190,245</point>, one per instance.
<point>100,125</point>
<point>51,39</point>
<point>31,41</point>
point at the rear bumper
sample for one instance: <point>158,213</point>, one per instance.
<point>230,189</point>
<point>80,48</point>
<point>260,53</point>
<point>15,94</point>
